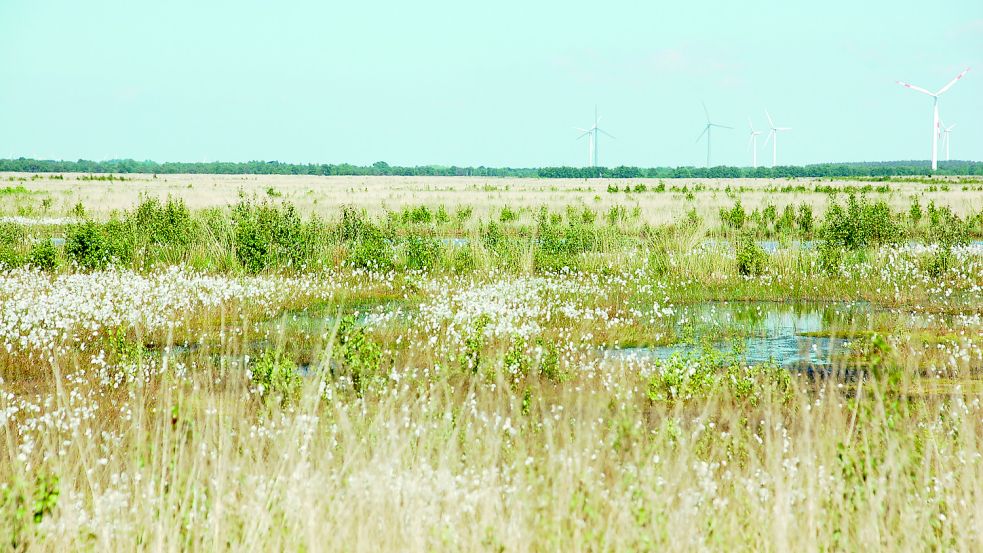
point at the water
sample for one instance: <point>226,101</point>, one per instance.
<point>791,335</point>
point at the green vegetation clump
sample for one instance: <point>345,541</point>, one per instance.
<point>266,236</point>
<point>751,258</point>
<point>275,378</point>
<point>360,358</point>
<point>43,256</point>
<point>860,224</point>
<point>422,252</point>
<point>373,250</point>
<point>94,246</point>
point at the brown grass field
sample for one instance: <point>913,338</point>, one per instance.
<point>323,195</point>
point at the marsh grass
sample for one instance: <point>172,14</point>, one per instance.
<point>464,462</point>
<point>357,382</point>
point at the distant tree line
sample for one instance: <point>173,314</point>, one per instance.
<point>858,169</point>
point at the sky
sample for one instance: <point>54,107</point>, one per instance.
<point>492,83</point>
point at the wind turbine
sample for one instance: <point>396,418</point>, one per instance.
<point>753,144</point>
<point>945,136</point>
<point>706,130</point>
<point>589,133</point>
<point>592,142</point>
<point>773,136</point>
<point>935,106</point>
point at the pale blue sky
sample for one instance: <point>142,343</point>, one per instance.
<point>502,83</point>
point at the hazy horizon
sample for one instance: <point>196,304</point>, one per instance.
<point>498,86</point>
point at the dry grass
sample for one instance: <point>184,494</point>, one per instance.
<point>323,195</point>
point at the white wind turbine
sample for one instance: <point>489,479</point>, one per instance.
<point>773,136</point>
<point>706,130</point>
<point>935,118</point>
<point>591,133</point>
<point>945,136</point>
<point>753,144</point>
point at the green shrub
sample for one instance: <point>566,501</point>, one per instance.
<point>517,363</point>
<point>422,252</point>
<point>373,250</point>
<point>463,214</point>
<point>549,367</point>
<point>275,378</point>
<point>734,217</point>
<point>11,234</point>
<point>267,236</point>
<point>616,214</point>
<point>947,229</point>
<point>10,258</point>
<point>474,343</point>
<point>44,256</point>
<point>915,212</point>
<point>860,225</point>
<point>804,219</point>
<point>786,223</point>
<point>508,215</point>
<point>751,258</point>
<point>441,217</point>
<point>492,235</point>
<point>463,261</point>
<point>359,357</point>
<point>86,246</point>
<point>941,261</point>
<point>351,225</point>
<point>830,258</point>
<point>420,214</point>
<point>167,224</point>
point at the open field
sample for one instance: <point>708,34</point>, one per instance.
<point>324,195</point>
<point>368,364</point>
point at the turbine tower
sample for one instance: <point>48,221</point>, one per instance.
<point>753,144</point>
<point>945,136</point>
<point>591,133</point>
<point>773,136</point>
<point>706,130</point>
<point>935,108</point>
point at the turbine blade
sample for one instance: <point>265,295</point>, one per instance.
<point>705,110</point>
<point>915,88</point>
<point>722,126</point>
<point>606,132</point>
<point>750,124</point>
<point>705,129</point>
<point>770,122</point>
<point>952,82</point>
<point>772,133</point>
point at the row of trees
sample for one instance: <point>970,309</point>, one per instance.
<point>860,169</point>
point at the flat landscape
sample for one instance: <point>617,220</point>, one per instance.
<point>659,200</point>
<point>251,362</point>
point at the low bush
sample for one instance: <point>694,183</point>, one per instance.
<point>43,255</point>
<point>751,258</point>
<point>275,378</point>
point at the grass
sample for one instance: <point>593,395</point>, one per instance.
<point>472,405</point>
